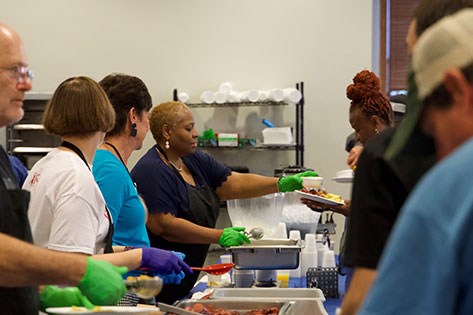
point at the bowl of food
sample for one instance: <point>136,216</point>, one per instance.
<point>312,182</point>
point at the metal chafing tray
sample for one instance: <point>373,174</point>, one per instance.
<point>279,294</point>
<point>267,254</point>
<point>244,305</point>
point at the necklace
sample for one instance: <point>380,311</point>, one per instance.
<point>179,169</point>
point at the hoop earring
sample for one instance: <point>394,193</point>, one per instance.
<point>167,146</point>
<point>133,130</point>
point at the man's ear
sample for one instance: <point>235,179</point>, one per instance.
<point>458,87</point>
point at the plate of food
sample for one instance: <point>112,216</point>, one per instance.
<point>321,196</point>
<point>344,176</point>
<point>101,310</point>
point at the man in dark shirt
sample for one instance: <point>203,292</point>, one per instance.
<point>385,175</point>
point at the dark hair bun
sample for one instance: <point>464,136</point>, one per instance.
<point>366,84</point>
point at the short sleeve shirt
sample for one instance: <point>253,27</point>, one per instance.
<point>379,190</point>
<point>164,191</point>
<point>122,200</point>
<point>427,265</point>
<point>67,210</point>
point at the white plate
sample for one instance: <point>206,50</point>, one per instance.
<point>107,310</point>
<point>343,179</point>
<point>319,199</point>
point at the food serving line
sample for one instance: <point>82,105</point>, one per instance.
<point>265,256</point>
<point>260,255</point>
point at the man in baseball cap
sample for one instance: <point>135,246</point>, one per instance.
<point>426,266</point>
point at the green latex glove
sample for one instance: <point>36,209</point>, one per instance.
<point>52,296</point>
<point>102,282</point>
<point>231,236</point>
<point>294,182</point>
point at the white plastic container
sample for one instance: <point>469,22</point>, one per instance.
<point>280,135</point>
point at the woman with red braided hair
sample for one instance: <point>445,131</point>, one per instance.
<point>370,113</point>
<point>370,110</point>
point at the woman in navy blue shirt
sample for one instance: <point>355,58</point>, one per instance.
<point>183,189</point>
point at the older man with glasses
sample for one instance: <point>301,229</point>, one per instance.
<point>23,266</point>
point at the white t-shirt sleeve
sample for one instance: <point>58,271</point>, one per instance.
<point>74,226</point>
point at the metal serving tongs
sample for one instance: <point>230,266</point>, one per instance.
<point>144,288</point>
<point>255,233</point>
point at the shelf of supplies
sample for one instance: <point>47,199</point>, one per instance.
<point>41,150</point>
<point>238,104</point>
<point>28,127</point>
<point>260,147</point>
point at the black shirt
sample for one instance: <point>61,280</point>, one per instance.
<point>379,190</point>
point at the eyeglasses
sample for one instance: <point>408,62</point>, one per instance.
<point>20,73</point>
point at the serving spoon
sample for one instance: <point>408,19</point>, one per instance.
<point>255,233</point>
<point>217,269</point>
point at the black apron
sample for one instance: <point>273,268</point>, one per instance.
<point>109,238</point>
<point>14,222</point>
<point>204,207</point>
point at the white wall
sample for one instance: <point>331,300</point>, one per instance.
<point>195,45</point>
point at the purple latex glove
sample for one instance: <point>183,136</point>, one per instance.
<point>163,261</point>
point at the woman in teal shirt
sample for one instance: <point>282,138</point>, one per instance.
<point>131,100</point>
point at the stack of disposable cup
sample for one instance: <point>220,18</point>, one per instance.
<point>234,97</point>
<point>292,95</point>
<point>321,248</point>
<point>276,95</point>
<point>329,259</point>
<point>183,97</point>
<point>295,273</point>
<point>220,97</point>
<point>227,259</point>
<point>284,274</point>
<point>263,95</point>
<point>249,96</point>
<point>226,87</point>
<point>243,278</point>
<point>207,97</point>
<point>309,254</point>
<point>282,232</point>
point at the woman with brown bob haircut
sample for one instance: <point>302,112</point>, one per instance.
<point>183,188</point>
<point>92,111</point>
<point>67,211</point>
